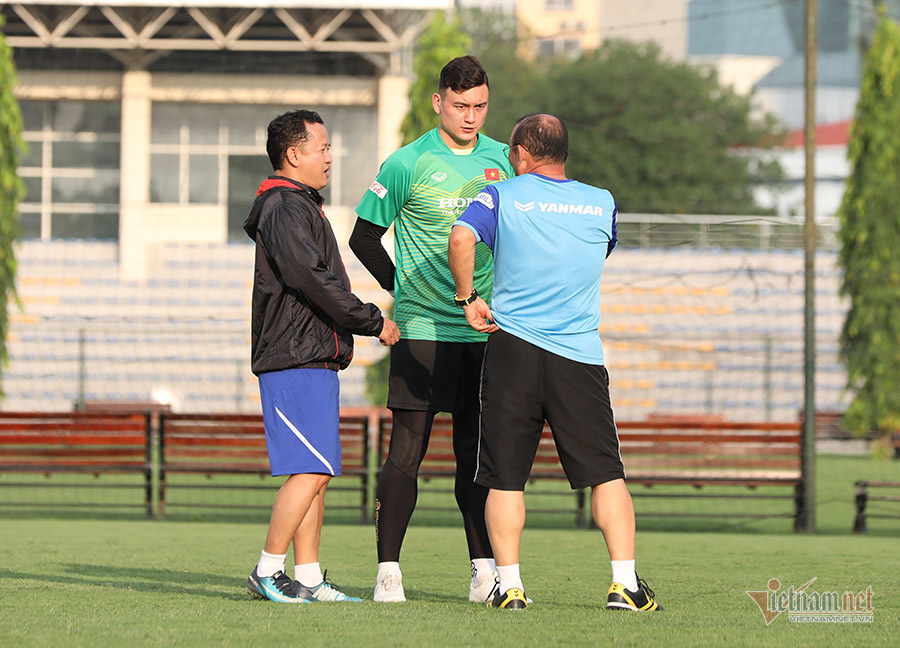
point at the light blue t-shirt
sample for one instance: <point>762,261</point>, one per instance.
<point>550,239</point>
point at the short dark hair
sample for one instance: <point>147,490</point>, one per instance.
<point>461,74</point>
<point>288,130</point>
<point>544,136</point>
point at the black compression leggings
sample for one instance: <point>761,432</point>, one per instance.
<point>397,489</point>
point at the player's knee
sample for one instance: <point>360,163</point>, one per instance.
<point>405,453</point>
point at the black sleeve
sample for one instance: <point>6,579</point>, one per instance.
<point>365,241</point>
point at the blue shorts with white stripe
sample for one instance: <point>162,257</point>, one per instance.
<point>301,412</point>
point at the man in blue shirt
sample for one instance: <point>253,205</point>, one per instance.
<point>550,237</point>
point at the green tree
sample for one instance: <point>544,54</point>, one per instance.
<point>441,41</point>
<point>11,189</point>
<point>870,238</point>
<point>661,135</point>
<point>495,41</point>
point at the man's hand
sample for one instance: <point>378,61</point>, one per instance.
<point>478,315</point>
<point>390,334</point>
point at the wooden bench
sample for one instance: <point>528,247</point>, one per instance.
<point>235,444</point>
<point>891,493</point>
<point>664,452</point>
<point>75,442</point>
<point>701,453</point>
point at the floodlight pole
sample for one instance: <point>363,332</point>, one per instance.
<point>806,518</point>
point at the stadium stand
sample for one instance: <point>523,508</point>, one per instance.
<point>719,332</point>
<point>686,331</point>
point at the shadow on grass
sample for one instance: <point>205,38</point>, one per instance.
<point>165,581</point>
<point>137,579</point>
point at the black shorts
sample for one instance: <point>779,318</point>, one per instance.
<point>522,385</point>
<point>434,376</point>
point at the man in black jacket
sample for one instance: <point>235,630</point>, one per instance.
<point>303,321</point>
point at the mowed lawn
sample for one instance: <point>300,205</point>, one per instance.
<point>136,583</point>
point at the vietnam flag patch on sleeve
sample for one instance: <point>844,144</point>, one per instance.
<point>491,174</point>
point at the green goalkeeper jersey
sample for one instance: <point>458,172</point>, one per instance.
<point>423,188</point>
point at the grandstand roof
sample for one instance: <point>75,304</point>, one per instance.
<point>377,30</point>
<point>254,4</point>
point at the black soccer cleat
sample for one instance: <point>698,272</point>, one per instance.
<point>511,599</point>
<point>641,600</point>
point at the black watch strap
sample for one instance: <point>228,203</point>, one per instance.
<point>468,300</point>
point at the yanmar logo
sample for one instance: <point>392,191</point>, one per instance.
<point>568,208</point>
<point>560,208</point>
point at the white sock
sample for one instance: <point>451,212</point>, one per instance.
<point>385,568</point>
<point>309,574</point>
<point>623,572</point>
<point>509,577</point>
<point>482,569</point>
<point>270,563</point>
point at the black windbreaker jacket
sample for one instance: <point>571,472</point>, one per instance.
<point>304,315</point>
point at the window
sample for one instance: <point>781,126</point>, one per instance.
<point>187,146</point>
<point>215,154</point>
<point>570,47</point>
<point>559,5</point>
<point>71,169</point>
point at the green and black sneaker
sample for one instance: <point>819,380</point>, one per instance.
<point>641,600</point>
<point>511,599</point>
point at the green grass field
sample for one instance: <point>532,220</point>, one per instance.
<point>88,583</point>
<point>116,578</point>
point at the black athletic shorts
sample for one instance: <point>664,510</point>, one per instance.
<point>521,385</point>
<point>434,376</point>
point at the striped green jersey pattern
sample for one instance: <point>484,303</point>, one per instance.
<point>423,188</point>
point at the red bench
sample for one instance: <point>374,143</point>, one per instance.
<point>96,444</point>
<point>235,444</point>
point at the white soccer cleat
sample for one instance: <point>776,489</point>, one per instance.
<point>484,592</point>
<point>389,589</point>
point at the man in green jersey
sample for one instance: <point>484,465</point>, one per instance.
<point>422,188</point>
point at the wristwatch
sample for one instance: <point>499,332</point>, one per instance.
<point>468,300</point>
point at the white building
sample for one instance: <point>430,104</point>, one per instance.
<point>553,27</point>
<point>145,122</point>
<point>145,119</point>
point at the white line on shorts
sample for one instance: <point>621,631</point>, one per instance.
<point>305,442</point>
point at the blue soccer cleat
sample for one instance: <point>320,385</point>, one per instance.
<point>277,587</point>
